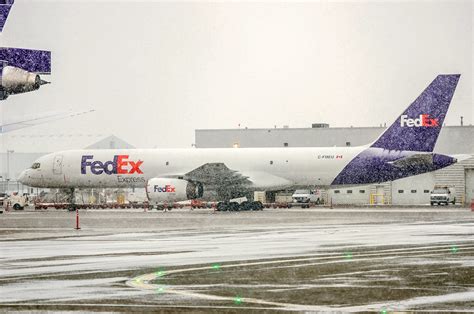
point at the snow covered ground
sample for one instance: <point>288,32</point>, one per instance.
<point>46,264</point>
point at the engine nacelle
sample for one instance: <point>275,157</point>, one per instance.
<point>159,190</point>
<point>16,80</point>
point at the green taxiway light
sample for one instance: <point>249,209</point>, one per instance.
<point>216,266</point>
<point>454,249</point>
<point>348,255</point>
<point>383,311</point>
<point>160,290</point>
<point>238,300</point>
<point>159,273</point>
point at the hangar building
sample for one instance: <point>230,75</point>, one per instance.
<point>408,191</point>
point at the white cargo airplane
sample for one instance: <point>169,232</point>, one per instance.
<point>404,149</point>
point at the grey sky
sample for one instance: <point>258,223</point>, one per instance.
<point>155,71</point>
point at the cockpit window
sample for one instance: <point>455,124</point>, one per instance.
<point>36,165</point>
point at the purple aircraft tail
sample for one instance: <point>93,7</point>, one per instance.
<point>418,127</point>
<point>5,6</point>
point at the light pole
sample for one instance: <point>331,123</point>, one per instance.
<point>8,163</point>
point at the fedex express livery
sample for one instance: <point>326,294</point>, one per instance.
<point>404,149</point>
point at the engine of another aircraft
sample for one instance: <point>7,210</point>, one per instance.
<point>168,190</point>
<point>16,81</point>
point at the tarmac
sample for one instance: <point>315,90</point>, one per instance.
<point>318,259</point>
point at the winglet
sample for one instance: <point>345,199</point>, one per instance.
<point>418,127</point>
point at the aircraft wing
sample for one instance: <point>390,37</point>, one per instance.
<point>225,181</point>
<point>52,116</point>
<point>216,174</point>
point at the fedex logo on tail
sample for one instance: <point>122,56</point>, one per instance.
<point>119,165</point>
<point>166,189</point>
<point>424,120</point>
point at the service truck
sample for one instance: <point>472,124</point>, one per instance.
<point>18,202</point>
<point>443,195</point>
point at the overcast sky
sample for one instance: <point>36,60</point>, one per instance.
<point>156,71</point>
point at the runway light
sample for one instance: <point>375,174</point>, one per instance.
<point>454,249</point>
<point>238,300</point>
<point>348,255</point>
<point>160,273</point>
<point>216,266</point>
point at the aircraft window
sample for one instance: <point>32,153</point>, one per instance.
<point>400,191</point>
<point>426,191</point>
<point>413,191</point>
<point>36,165</point>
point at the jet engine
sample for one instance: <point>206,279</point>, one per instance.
<point>16,81</point>
<point>159,190</point>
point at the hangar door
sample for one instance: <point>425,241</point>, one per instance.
<point>469,186</point>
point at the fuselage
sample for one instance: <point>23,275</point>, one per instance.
<point>265,167</point>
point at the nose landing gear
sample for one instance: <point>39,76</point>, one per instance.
<point>71,200</point>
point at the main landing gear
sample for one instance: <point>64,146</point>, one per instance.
<point>234,206</point>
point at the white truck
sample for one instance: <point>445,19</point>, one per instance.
<point>306,197</point>
<point>443,195</point>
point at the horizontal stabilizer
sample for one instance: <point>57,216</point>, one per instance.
<point>413,160</point>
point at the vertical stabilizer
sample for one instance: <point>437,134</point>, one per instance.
<point>418,127</point>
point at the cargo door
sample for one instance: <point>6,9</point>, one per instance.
<point>58,164</point>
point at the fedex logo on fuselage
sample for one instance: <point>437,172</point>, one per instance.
<point>166,189</point>
<point>119,165</point>
<point>423,120</point>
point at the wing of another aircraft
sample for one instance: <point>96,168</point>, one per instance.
<point>48,117</point>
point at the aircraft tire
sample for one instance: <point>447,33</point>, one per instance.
<point>234,206</point>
